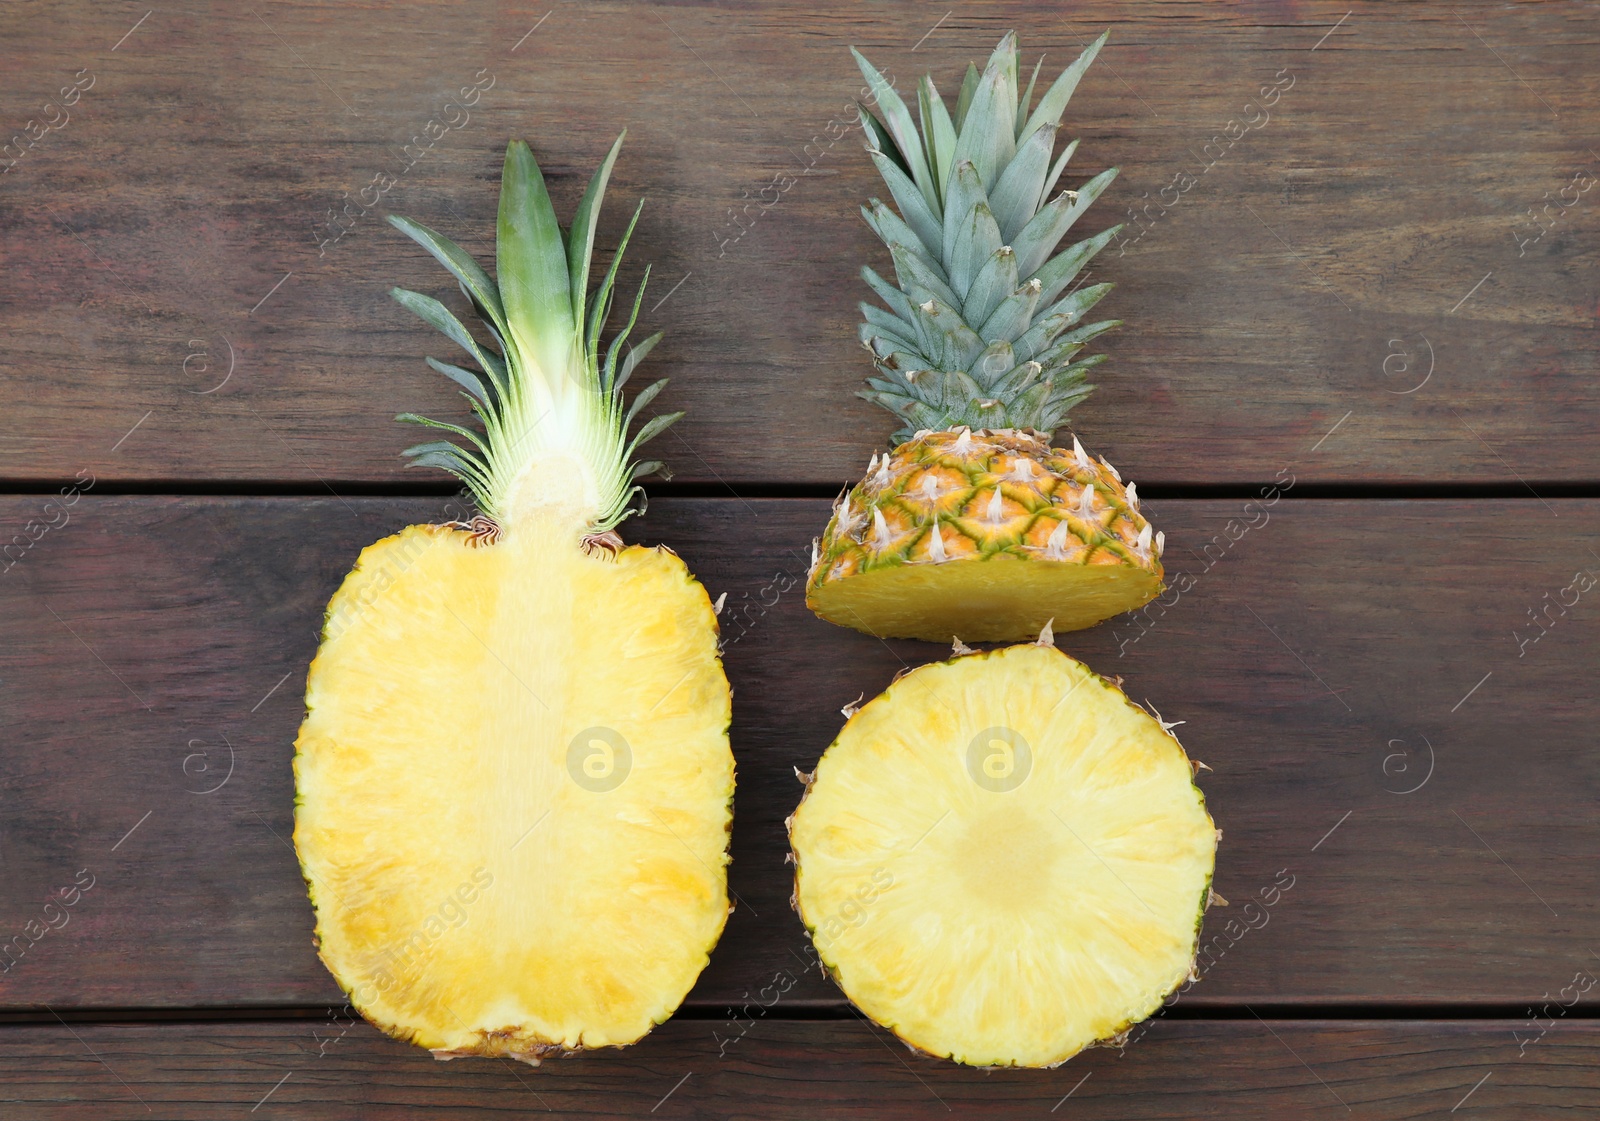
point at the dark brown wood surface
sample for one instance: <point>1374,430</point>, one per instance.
<point>1241,1070</point>
<point>1323,664</point>
<point>1371,227</point>
<point>1384,290</point>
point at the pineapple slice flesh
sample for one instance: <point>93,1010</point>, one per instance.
<point>1003,860</point>
<point>986,599</point>
<point>514,791</point>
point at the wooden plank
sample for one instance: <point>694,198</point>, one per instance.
<point>195,284</point>
<point>1334,657</point>
<point>782,1069</point>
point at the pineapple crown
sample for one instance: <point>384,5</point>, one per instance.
<point>555,438</point>
<point>978,331</point>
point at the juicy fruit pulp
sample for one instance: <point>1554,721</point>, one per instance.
<point>1003,860</point>
<point>515,789</point>
<point>984,536</point>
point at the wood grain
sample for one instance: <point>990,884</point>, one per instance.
<point>1326,661</point>
<point>1373,229</point>
<point>1238,1070</point>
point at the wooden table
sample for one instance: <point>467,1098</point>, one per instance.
<point>1381,288</point>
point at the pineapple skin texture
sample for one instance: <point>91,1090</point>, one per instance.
<point>453,914</point>
<point>975,1006</point>
<point>998,572</point>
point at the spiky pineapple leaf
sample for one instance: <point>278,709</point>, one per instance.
<point>1016,193</point>
<point>915,275</point>
<point>474,280</point>
<point>1064,346</point>
<point>535,283</point>
<point>876,319</point>
<point>1040,236</point>
<point>436,315</point>
<point>645,396</point>
<point>466,379</point>
<point>992,363</point>
<point>1010,385</point>
<point>636,355</point>
<point>966,191</point>
<point>883,342</point>
<point>614,352</point>
<point>545,393</point>
<point>939,130</point>
<point>1013,316</point>
<point>1027,98</point>
<point>894,297</point>
<point>894,233</point>
<point>447,456</point>
<point>580,243</point>
<point>1077,303</point>
<point>1055,173</point>
<point>977,241</point>
<point>969,86</point>
<point>878,138</point>
<point>913,207</point>
<point>978,330</point>
<point>453,429</point>
<point>601,308</point>
<point>995,281</point>
<point>651,429</point>
<point>1057,318</point>
<point>987,136</point>
<point>898,120</point>
<point>1054,101</point>
<point>1059,271</point>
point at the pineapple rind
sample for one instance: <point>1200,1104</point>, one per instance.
<point>1079,569</point>
<point>829,956</point>
<point>680,821</point>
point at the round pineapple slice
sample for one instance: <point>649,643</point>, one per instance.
<point>1003,860</point>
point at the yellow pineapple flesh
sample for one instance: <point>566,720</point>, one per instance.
<point>1002,860</point>
<point>985,536</point>
<point>514,853</point>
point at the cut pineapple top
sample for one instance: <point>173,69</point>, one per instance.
<point>1003,860</point>
<point>978,347</point>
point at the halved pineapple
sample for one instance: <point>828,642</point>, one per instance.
<point>514,777</point>
<point>1003,860</point>
<point>514,782</point>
